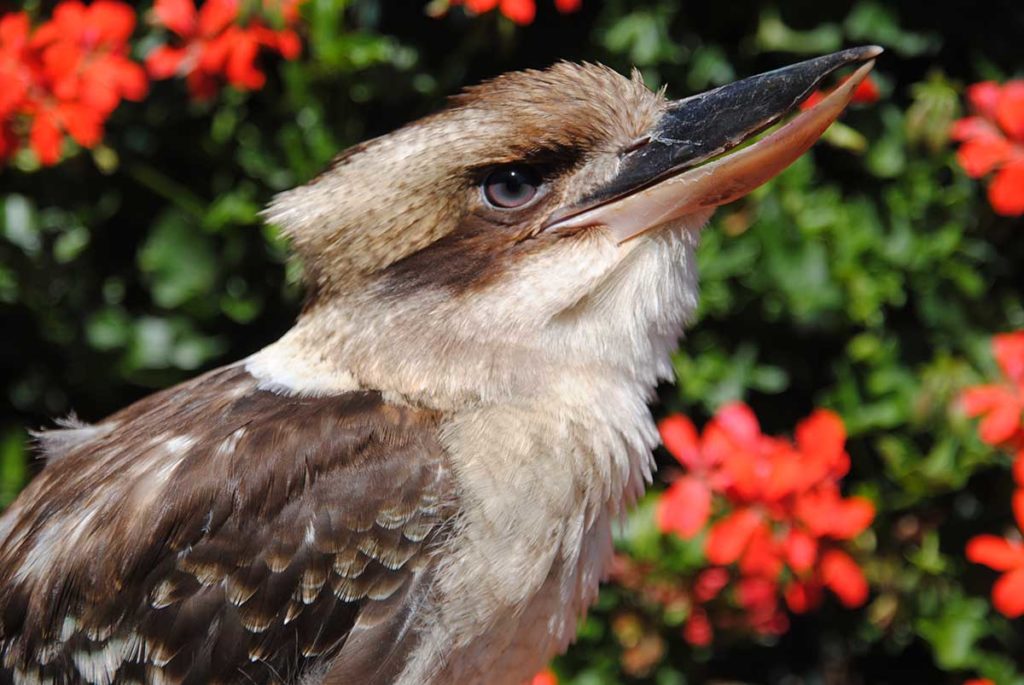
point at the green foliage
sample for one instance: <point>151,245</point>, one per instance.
<point>868,278</point>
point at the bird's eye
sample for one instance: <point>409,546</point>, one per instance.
<point>511,187</point>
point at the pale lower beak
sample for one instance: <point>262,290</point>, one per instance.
<point>672,179</point>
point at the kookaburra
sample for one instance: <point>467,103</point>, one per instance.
<point>417,483</point>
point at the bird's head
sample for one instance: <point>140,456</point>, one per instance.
<point>545,219</point>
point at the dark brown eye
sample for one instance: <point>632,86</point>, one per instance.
<point>511,187</point>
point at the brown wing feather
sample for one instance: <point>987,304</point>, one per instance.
<point>218,532</point>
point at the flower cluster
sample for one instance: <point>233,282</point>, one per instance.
<point>65,77</point>
<point>218,42</point>
<point>521,12</point>
<point>992,142</point>
<point>1002,406</point>
<point>778,515</point>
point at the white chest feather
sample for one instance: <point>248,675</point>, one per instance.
<point>542,484</point>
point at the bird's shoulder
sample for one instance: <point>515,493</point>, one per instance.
<point>221,532</point>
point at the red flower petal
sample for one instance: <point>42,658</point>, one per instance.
<point>115,21</point>
<point>802,597</point>
<point>1018,469</point>
<point>177,15</point>
<point>812,100</point>
<point>739,421</point>
<point>851,517</point>
<point>758,595</point>
<point>1008,349</point>
<point>979,681</point>
<point>215,16</point>
<point>544,678</point>
<point>983,398</point>
<point>14,30</point>
<point>822,437</point>
<point>481,6</point>
<point>132,80</point>
<point>995,552</point>
<point>680,439</point>
<point>685,507</point>
<point>83,124</point>
<point>1018,508</point>
<point>45,138</point>
<point>288,44</point>
<point>567,6</point>
<point>1008,594</point>
<point>709,583</point>
<point>866,92</point>
<point>1006,192</point>
<point>729,537</point>
<point>698,631</point>
<point>215,53</point>
<point>980,155</point>
<point>1001,423</point>
<point>164,61</point>
<point>241,66</point>
<point>801,551</point>
<point>763,555</point>
<point>521,12</point>
<point>984,97</point>
<point>1010,110</point>
<point>973,127</point>
<point>841,574</point>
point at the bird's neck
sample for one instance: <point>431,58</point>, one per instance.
<point>519,342</point>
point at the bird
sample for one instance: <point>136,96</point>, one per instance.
<point>418,482</point>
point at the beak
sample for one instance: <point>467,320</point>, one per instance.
<point>666,174</point>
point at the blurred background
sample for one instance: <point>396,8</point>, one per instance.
<point>868,281</point>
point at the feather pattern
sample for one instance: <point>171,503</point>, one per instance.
<point>248,539</point>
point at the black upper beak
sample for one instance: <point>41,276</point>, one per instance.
<point>702,126</point>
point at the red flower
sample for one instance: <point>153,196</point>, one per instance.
<point>214,47</point>
<point>802,596</point>
<point>85,54</point>
<point>697,630</point>
<point>841,574</point>
<point>866,93</point>
<point>784,516</point>
<point>992,142</point>
<point>979,681</point>
<point>1006,556</point>
<point>15,70</point>
<point>521,12</point>
<point>1002,405</point>
<point>67,76</point>
<point>709,583</point>
<point>686,506</point>
<point>730,536</point>
<point>545,678</point>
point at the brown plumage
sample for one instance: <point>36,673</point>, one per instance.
<point>299,515</point>
<point>416,484</point>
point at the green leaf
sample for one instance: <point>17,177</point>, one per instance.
<point>177,261</point>
<point>955,632</point>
